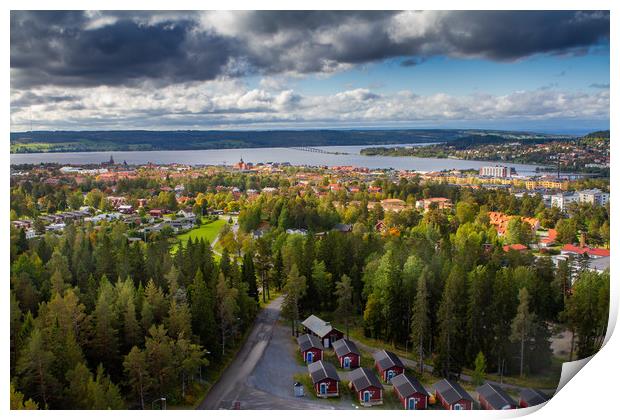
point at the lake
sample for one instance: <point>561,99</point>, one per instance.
<point>349,156</point>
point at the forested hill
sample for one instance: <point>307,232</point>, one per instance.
<point>80,141</point>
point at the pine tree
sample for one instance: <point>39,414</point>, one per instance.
<point>420,320</point>
<point>522,325</point>
<point>18,403</point>
<point>294,289</point>
<point>179,320</point>
<point>227,309</point>
<point>344,308</point>
<point>137,374</point>
<point>277,272</point>
<point>189,359</point>
<point>159,350</point>
<point>34,368</point>
<point>104,344</point>
<point>451,316</point>
<point>131,332</point>
<point>202,306</point>
<point>78,391</point>
<point>323,287</point>
<point>248,275</point>
<point>104,394</point>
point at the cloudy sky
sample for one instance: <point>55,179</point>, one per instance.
<point>545,71</point>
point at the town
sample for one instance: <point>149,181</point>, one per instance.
<point>243,212</point>
<point>310,210</point>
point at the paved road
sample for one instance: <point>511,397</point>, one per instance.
<point>267,387</point>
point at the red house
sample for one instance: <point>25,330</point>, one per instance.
<point>367,386</point>
<point>347,353</point>
<point>322,329</point>
<point>156,213</point>
<point>452,396</point>
<point>410,392</point>
<point>311,349</point>
<point>530,397</point>
<point>388,364</point>
<point>493,397</point>
<point>514,247</point>
<point>324,378</point>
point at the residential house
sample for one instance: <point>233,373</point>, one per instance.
<point>410,392</point>
<point>530,397</point>
<point>322,329</point>
<point>310,347</point>
<point>549,240</point>
<point>426,203</point>
<point>367,386</point>
<point>452,396</point>
<point>388,364</point>
<point>325,379</point>
<point>514,247</point>
<point>493,397</point>
<point>570,249</point>
<point>348,354</point>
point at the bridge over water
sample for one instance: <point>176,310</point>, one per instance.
<point>317,150</point>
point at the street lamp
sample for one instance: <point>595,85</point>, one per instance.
<point>163,403</point>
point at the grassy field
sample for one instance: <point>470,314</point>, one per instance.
<point>207,231</point>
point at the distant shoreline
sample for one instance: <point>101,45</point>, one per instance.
<point>128,140</point>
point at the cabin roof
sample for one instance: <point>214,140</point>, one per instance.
<point>343,347</point>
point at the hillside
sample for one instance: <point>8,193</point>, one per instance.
<point>81,141</point>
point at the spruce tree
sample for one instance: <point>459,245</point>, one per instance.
<point>420,321</point>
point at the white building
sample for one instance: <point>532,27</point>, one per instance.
<point>593,196</point>
<point>496,171</point>
<point>562,200</point>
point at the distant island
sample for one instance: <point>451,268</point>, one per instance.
<point>589,153</point>
<point>142,140</point>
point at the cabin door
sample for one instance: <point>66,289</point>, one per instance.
<point>412,402</point>
<point>390,375</point>
<point>309,356</point>
<point>347,363</point>
<point>326,343</point>
<point>323,389</point>
<point>366,396</point>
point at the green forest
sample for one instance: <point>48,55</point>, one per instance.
<point>98,321</point>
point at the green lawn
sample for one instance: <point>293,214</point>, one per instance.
<point>208,232</point>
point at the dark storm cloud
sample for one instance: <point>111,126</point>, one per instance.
<point>55,49</point>
<point>72,48</point>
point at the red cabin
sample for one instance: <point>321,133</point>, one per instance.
<point>452,396</point>
<point>492,397</point>
<point>388,364</point>
<point>322,329</point>
<point>530,397</point>
<point>347,353</point>
<point>324,378</point>
<point>311,349</point>
<point>367,386</point>
<point>410,392</point>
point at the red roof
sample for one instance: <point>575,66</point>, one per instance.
<point>552,235</point>
<point>599,252</point>
<point>515,247</point>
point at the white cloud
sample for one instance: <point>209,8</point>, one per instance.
<point>231,102</point>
